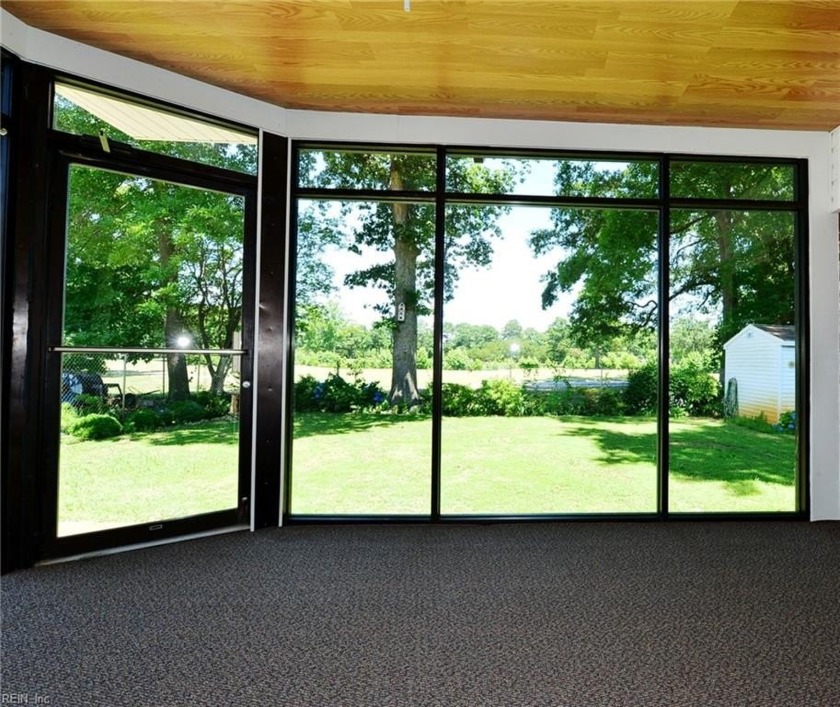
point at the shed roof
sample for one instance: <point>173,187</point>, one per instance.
<point>783,335</point>
<point>785,332</point>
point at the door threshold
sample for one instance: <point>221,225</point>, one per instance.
<point>142,546</point>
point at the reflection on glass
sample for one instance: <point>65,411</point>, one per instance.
<point>146,437</point>
<point>353,169</point>
<point>540,176</point>
<point>363,358</point>
<point>543,339</point>
<point>728,180</point>
<point>84,112</point>
<point>733,363</point>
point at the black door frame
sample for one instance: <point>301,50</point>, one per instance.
<point>67,151</point>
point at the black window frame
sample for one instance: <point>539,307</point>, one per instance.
<point>662,203</point>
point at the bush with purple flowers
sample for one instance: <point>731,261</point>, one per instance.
<point>335,394</point>
<point>787,422</point>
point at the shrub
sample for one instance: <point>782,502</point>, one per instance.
<point>458,400</point>
<point>604,402</point>
<point>554,402</point>
<point>69,417</point>
<point>89,404</point>
<point>500,397</point>
<point>787,422</point>
<point>141,421</point>
<point>336,395</point>
<point>96,426</point>
<point>641,393</point>
<point>692,390</point>
<point>495,397</point>
<point>187,411</point>
<point>214,404</point>
<point>306,399</point>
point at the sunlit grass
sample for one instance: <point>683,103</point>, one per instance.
<point>147,477</point>
<point>381,464</point>
<point>532,465</point>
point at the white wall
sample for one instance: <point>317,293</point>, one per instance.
<point>75,58</point>
<point>835,169</point>
<point>753,359</point>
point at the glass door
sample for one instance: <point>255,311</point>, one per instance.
<point>151,374</point>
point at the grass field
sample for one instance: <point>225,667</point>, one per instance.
<point>503,465</point>
<point>379,464</point>
<point>147,477</point>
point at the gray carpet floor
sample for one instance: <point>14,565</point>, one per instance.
<point>512,614</point>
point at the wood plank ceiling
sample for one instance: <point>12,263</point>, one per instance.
<point>744,63</point>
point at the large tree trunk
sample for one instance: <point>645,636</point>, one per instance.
<point>728,264</point>
<point>218,373</point>
<point>404,361</point>
<point>176,364</point>
<point>404,368</point>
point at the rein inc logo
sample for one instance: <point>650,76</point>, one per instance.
<point>23,698</point>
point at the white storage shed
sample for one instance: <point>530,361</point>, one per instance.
<point>760,371</point>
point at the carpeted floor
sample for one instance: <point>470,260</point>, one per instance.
<point>512,614</point>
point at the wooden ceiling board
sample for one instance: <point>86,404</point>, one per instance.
<point>740,63</point>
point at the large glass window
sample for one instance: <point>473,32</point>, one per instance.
<point>733,180</point>
<point>363,358</point>
<point>559,281</point>
<point>548,176</point>
<point>536,360</point>
<point>733,411</point>
<point>361,169</point>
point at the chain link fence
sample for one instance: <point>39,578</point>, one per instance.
<point>118,382</point>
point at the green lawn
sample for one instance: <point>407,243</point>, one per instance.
<point>147,477</point>
<point>379,464</point>
<point>499,465</point>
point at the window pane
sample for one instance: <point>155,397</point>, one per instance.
<point>733,362</point>
<point>552,177</point>
<point>726,180</point>
<point>541,342</point>
<point>83,112</point>
<point>363,359</point>
<point>150,261</point>
<point>349,169</point>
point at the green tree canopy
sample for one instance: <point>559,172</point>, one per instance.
<point>404,234</point>
<point>150,260</point>
<point>732,264</point>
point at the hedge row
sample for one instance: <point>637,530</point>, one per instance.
<point>101,421</point>
<point>693,392</point>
